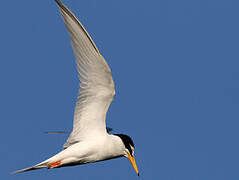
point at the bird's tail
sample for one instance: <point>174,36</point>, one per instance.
<point>38,166</point>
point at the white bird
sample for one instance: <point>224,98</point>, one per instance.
<point>89,140</point>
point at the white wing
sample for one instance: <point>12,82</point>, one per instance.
<point>96,84</point>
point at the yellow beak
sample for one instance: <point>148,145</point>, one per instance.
<point>132,160</point>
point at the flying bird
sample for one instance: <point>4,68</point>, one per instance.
<point>89,140</point>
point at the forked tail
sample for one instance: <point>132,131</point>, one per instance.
<point>45,164</point>
<point>38,166</point>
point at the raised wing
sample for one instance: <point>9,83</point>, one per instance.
<point>96,84</point>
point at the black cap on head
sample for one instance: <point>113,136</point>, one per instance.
<point>127,142</point>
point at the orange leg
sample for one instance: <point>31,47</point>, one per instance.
<point>52,165</point>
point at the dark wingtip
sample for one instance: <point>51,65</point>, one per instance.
<point>57,132</point>
<point>58,2</point>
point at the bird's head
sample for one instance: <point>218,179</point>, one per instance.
<point>129,150</point>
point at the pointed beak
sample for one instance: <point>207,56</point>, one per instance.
<point>132,160</point>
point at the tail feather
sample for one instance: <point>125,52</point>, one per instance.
<point>38,166</point>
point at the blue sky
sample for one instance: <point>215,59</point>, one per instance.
<point>176,69</point>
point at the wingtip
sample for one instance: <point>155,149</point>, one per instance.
<point>14,172</point>
<point>59,3</point>
<point>57,132</point>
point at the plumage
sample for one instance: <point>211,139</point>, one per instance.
<point>89,140</point>
<point>96,84</point>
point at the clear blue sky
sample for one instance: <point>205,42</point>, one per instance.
<point>176,69</point>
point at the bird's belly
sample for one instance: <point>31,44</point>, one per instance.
<point>100,154</point>
<point>90,151</point>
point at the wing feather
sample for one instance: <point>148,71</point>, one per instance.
<point>96,84</point>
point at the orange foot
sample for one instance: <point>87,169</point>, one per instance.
<point>52,165</point>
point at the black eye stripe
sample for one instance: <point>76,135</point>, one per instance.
<point>127,142</point>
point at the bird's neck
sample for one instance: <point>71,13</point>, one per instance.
<point>116,145</point>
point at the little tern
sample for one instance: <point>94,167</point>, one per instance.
<point>89,140</point>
